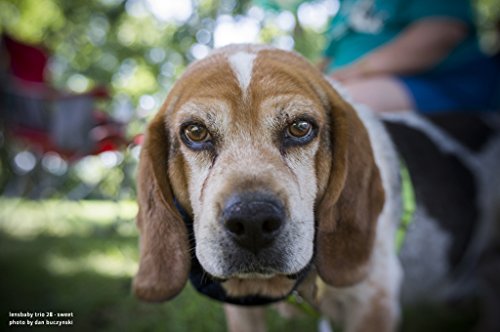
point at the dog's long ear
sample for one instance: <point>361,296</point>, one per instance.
<point>348,211</point>
<point>164,257</point>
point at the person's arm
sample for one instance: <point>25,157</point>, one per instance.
<point>419,47</point>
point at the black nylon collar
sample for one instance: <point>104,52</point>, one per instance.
<point>211,287</point>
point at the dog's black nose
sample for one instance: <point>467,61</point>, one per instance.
<point>253,220</point>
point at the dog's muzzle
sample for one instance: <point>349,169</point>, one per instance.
<point>253,220</point>
<point>239,205</point>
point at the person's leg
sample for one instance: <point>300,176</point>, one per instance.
<point>381,93</point>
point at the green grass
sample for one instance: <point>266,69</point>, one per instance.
<point>80,257</point>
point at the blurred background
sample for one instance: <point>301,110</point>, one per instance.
<point>78,81</point>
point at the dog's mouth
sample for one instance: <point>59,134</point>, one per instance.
<point>245,288</point>
<point>261,275</point>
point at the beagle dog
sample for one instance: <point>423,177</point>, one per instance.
<point>258,179</point>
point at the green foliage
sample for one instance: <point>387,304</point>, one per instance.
<point>137,55</point>
<point>120,42</point>
<point>489,12</point>
<point>489,24</point>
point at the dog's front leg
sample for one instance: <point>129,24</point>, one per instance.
<point>245,319</point>
<point>357,310</point>
<point>378,313</point>
<point>371,305</point>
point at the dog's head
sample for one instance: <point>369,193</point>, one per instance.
<point>275,169</point>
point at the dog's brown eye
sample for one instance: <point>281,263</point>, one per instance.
<point>196,133</point>
<point>300,128</point>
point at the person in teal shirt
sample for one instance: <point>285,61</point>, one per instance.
<point>400,55</point>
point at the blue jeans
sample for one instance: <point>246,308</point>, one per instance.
<point>472,87</point>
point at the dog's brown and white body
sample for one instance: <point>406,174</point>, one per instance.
<point>288,186</point>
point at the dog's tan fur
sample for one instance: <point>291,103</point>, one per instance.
<point>331,187</point>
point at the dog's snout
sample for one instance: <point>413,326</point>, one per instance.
<point>253,221</point>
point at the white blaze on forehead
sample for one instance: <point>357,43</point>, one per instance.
<point>242,65</point>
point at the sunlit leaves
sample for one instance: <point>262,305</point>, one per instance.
<point>42,15</point>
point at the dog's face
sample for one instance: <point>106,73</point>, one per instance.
<point>247,151</point>
<point>249,159</point>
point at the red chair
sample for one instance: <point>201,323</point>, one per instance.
<point>49,120</point>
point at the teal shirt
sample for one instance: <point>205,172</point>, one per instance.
<point>360,26</point>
